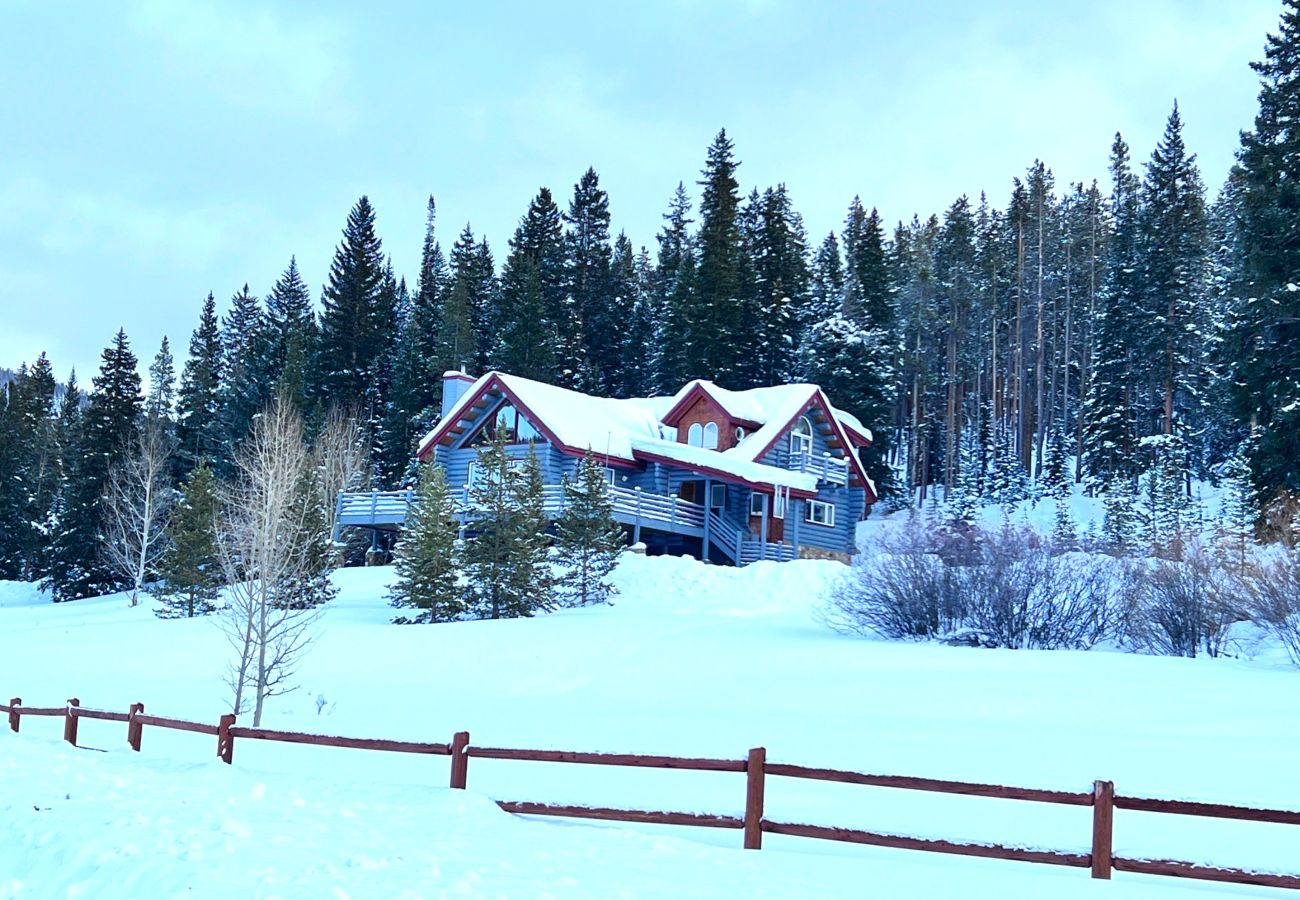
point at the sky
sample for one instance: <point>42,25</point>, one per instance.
<point>152,151</point>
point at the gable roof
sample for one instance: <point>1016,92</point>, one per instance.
<point>639,429</point>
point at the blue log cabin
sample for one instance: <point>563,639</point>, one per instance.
<point>729,476</point>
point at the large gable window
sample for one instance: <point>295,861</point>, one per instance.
<point>801,438</point>
<point>509,423</point>
<point>711,436</point>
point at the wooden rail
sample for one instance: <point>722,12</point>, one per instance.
<point>1102,798</point>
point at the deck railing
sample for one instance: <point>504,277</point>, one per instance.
<point>826,467</point>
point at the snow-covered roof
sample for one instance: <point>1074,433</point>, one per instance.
<point>628,428</point>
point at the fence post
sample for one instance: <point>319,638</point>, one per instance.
<point>459,759</point>
<point>754,769</point>
<point>1103,827</point>
<point>13,713</point>
<point>70,722</point>
<point>133,728</point>
<point>226,743</point>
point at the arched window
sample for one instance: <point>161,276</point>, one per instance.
<point>711,436</point>
<point>801,441</point>
<point>695,435</point>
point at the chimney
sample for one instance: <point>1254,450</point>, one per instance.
<point>454,386</point>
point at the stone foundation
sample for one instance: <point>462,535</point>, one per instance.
<point>806,552</point>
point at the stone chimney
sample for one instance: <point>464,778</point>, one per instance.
<point>454,386</point>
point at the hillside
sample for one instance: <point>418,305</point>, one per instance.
<point>692,660</point>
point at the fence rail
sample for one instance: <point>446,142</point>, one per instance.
<point>1103,800</point>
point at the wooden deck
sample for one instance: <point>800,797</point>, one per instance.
<point>386,510</point>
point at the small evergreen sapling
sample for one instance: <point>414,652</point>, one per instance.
<point>427,556</point>
<point>190,570</point>
<point>587,537</point>
<point>505,560</point>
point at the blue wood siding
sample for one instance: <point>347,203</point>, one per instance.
<point>779,455</point>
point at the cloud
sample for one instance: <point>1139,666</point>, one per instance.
<point>253,57</point>
<point>70,223</point>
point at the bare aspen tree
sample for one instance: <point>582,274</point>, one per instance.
<point>341,458</point>
<point>273,550</point>
<point>137,501</point>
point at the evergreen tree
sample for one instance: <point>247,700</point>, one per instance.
<point>1266,334</point>
<point>426,558</point>
<point>505,560</point>
<point>162,383</point>
<point>713,348</point>
<point>1235,534</point>
<point>637,332</point>
<point>199,404</point>
<point>587,537</point>
<point>245,369</point>
<point>291,333</point>
<point>602,311</point>
<point>189,569</point>
<point>1122,523</point>
<point>539,333</point>
<point>779,298</point>
<point>356,323</point>
<point>675,293</point>
<point>432,286</point>
<point>1111,409</point>
<point>107,430</point>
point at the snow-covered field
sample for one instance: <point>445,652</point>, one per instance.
<point>692,660</point>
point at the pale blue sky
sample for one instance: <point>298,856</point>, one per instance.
<point>152,151</point>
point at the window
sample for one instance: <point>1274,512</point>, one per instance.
<point>717,496</point>
<point>711,436</point>
<point>801,441</point>
<point>479,476</point>
<point>776,504</point>
<point>510,423</point>
<point>695,435</point>
<point>819,512</point>
<point>739,433</point>
<point>610,477</point>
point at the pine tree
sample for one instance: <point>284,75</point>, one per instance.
<point>356,328</point>
<point>588,540</point>
<point>431,287</point>
<point>505,560</point>
<point>675,293</point>
<point>539,332</point>
<point>1235,535</point>
<point>162,383</point>
<point>189,569</point>
<point>1266,333</point>
<point>291,334</point>
<point>199,403</point>
<point>245,369</point>
<point>779,298</point>
<point>713,348</point>
<point>1122,523</point>
<point>107,429</point>
<point>638,333</point>
<point>602,311</point>
<point>427,556</point>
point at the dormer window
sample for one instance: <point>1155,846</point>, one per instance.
<point>801,440</point>
<point>703,435</point>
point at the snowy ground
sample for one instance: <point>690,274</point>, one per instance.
<point>693,660</point>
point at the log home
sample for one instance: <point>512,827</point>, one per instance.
<point>728,476</point>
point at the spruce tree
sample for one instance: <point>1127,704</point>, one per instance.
<point>643,339</point>
<point>291,333</point>
<point>246,367</point>
<point>356,328</point>
<point>713,348</point>
<point>675,294</point>
<point>426,558</point>
<point>199,403</point>
<point>1266,333</point>
<point>190,570</point>
<point>162,383</point>
<point>505,560</point>
<point>106,431</point>
<point>588,540</point>
<point>601,310</point>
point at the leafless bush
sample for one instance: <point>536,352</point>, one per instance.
<point>342,459</point>
<point>1020,595</point>
<point>1184,606</point>
<point>1001,589</point>
<point>1273,599</point>
<point>902,589</point>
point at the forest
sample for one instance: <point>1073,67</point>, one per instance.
<point>1133,334</point>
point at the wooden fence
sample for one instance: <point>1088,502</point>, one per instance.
<point>1102,798</point>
